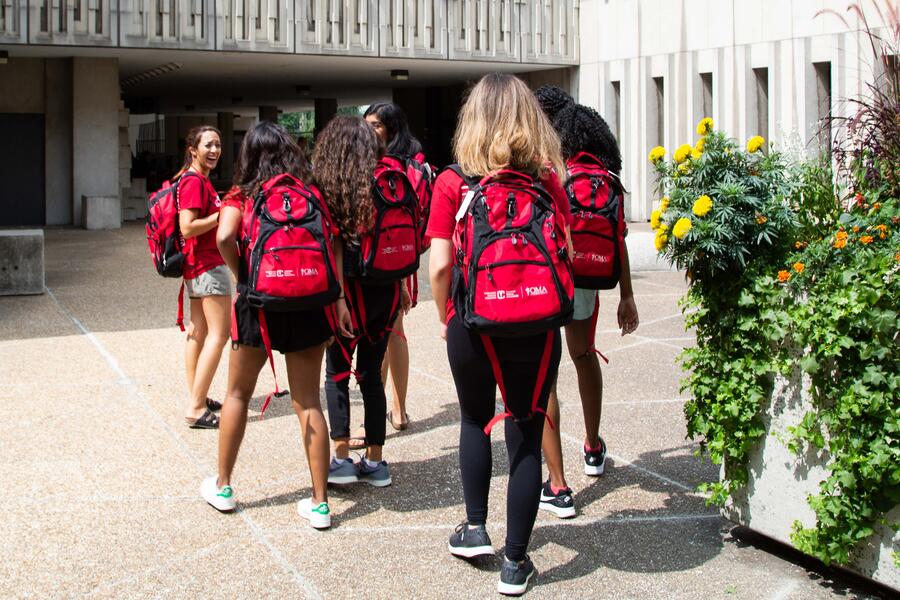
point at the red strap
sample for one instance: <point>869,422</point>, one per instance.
<point>234,324</point>
<point>543,367</point>
<point>267,342</point>
<point>594,318</point>
<point>179,319</point>
<point>331,317</point>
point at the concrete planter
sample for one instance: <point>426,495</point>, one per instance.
<point>780,482</point>
<point>101,212</point>
<point>21,262</point>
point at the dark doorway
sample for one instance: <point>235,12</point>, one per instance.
<point>22,170</point>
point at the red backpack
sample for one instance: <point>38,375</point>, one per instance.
<point>419,173</point>
<point>598,224</point>
<point>512,276</point>
<point>287,258</point>
<point>163,232</point>
<point>390,251</point>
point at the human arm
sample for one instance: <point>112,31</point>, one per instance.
<point>440,264</point>
<point>226,237</point>
<point>627,313</point>
<point>344,321</point>
<point>192,201</point>
<point>192,224</point>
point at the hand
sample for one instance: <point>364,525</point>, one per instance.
<point>627,315</point>
<point>444,331</point>
<point>405,298</point>
<point>344,321</point>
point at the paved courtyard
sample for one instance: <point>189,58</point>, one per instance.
<point>100,475</point>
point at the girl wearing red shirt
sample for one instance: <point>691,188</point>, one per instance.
<point>501,126</point>
<point>206,278</point>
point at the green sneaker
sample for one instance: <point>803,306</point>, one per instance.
<point>220,498</point>
<point>319,516</point>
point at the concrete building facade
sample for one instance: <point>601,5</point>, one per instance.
<point>776,68</point>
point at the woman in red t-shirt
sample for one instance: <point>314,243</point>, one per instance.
<point>501,127</point>
<point>206,277</point>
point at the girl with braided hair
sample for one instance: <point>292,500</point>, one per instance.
<point>582,129</point>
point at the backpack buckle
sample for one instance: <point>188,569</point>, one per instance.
<point>287,203</point>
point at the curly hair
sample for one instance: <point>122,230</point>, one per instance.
<point>343,162</point>
<point>552,100</point>
<point>267,150</point>
<point>582,129</point>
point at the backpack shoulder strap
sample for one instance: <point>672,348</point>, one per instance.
<point>470,181</point>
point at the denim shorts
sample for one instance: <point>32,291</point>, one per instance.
<point>585,300</point>
<point>215,282</point>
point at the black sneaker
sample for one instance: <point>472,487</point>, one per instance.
<point>469,541</point>
<point>514,576</point>
<point>561,504</point>
<point>595,460</point>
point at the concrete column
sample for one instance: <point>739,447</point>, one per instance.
<point>225,124</point>
<point>325,109</point>
<point>95,130</point>
<point>268,113</point>
<point>58,140</point>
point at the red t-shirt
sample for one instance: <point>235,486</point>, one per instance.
<point>201,252</point>
<point>447,197</point>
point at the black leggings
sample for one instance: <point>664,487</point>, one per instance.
<point>380,302</point>
<point>476,388</point>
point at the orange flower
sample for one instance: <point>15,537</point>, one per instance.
<point>882,228</point>
<point>798,267</point>
<point>859,199</point>
<point>841,235</point>
<point>840,244</point>
<point>855,229</point>
<point>876,206</point>
<point>897,257</point>
<point>784,276</point>
<point>762,219</point>
<point>800,245</point>
<point>866,239</point>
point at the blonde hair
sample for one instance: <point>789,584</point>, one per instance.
<point>502,126</point>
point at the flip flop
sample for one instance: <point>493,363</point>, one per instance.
<point>213,405</point>
<point>361,443</point>
<point>404,424</point>
<point>208,420</point>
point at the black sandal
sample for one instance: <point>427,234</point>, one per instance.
<point>213,405</point>
<point>208,420</point>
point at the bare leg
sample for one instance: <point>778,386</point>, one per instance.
<point>303,376</point>
<point>243,370</point>
<point>398,359</point>
<point>590,378</point>
<point>196,337</point>
<point>217,311</point>
<point>551,444</point>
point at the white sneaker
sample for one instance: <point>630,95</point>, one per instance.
<point>220,498</point>
<point>318,516</point>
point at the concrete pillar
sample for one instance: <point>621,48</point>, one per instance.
<point>95,130</point>
<point>58,140</point>
<point>325,109</point>
<point>268,113</point>
<point>225,124</point>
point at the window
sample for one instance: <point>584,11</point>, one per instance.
<point>616,108</point>
<point>706,94</point>
<point>659,85</point>
<point>823,104</point>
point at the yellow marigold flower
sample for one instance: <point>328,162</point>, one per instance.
<point>798,267</point>
<point>755,143</point>
<point>663,228</point>
<point>700,145</point>
<point>684,168</point>
<point>877,205</point>
<point>762,219</point>
<point>660,241</point>
<point>657,154</point>
<point>654,219</point>
<point>784,276</point>
<point>704,126</point>
<point>682,226</point>
<point>696,154</point>
<point>682,154</point>
<point>800,245</point>
<point>866,239</point>
<point>664,204</point>
<point>702,206</point>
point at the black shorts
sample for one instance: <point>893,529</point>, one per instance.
<point>288,331</point>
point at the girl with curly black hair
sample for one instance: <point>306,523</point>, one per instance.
<point>582,129</point>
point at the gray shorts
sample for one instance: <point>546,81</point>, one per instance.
<point>215,282</point>
<point>585,300</point>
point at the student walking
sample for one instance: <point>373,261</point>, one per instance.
<point>593,162</point>
<point>206,278</point>
<point>501,279</point>
<point>278,238</point>
<point>378,230</point>
<point>390,124</point>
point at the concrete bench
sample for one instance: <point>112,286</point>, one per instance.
<point>101,212</point>
<point>21,262</point>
